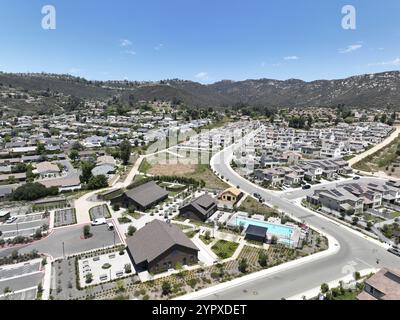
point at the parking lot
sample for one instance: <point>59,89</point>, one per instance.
<point>104,268</point>
<point>23,226</point>
<point>29,294</point>
<point>64,217</point>
<point>24,277</point>
<point>73,240</point>
<point>19,270</point>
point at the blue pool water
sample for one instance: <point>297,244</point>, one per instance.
<point>279,230</point>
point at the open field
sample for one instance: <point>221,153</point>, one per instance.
<point>386,160</point>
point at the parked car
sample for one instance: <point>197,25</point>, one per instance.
<point>395,250</point>
<point>11,220</point>
<point>356,178</point>
<point>110,226</point>
<point>99,222</point>
<point>306,187</point>
<point>257,195</point>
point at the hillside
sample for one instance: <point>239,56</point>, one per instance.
<point>38,91</point>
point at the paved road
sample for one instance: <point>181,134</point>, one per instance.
<point>355,254</point>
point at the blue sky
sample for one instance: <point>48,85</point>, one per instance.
<point>200,40</point>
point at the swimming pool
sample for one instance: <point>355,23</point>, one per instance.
<point>276,229</point>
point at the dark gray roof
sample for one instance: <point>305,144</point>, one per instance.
<point>256,230</point>
<point>154,239</point>
<point>203,204</point>
<point>147,193</point>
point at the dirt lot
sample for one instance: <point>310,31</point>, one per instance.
<point>172,169</point>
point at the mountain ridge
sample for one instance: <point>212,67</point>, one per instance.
<point>365,90</point>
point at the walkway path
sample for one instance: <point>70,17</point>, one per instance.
<point>376,148</point>
<point>84,204</point>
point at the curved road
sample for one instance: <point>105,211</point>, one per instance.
<point>356,252</point>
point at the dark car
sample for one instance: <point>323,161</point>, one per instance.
<point>257,195</point>
<point>395,250</point>
<point>306,187</point>
<point>356,178</point>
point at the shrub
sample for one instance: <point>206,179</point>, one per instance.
<point>106,266</point>
<point>166,288</point>
<point>89,278</point>
<point>324,288</point>
<point>116,207</point>
<point>128,268</point>
<point>243,265</point>
<point>131,231</point>
<point>263,259</point>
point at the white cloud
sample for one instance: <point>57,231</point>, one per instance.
<point>125,43</point>
<point>395,62</point>
<point>158,47</point>
<point>131,52</point>
<point>351,48</point>
<point>291,58</point>
<point>277,64</point>
<point>202,75</point>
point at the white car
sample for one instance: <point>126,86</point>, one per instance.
<point>99,222</point>
<point>11,220</point>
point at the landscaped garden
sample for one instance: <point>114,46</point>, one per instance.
<point>224,249</point>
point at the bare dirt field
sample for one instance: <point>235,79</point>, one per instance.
<point>172,169</point>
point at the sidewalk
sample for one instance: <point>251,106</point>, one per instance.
<point>312,293</point>
<point>333,249</point>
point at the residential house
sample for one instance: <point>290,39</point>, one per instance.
<point>160,246</point>
<point>383,285</point>
<point>199,209</point>
<point>142,197</point>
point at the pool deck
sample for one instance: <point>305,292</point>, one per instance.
<point>292,238</point>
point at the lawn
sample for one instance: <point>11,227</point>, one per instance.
<point>396,214</point>
<point>203,172</point>
<point>252,206</point>
<point>224,249</point>
<point>145,166</point>
<point>135,215</point>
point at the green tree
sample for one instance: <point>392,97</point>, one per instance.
<point>125,150</point>
<point>77,146</point>
<point>33,191</point>
<point>74,154</point>
<point>97,182</point>
<point>86,231</point>
<point>40,149</point>
<point>86,167</point>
